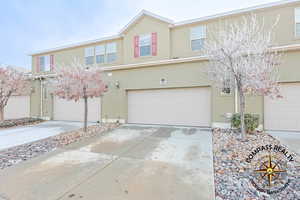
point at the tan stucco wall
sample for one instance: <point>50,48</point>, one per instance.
<point>175,42</point>
<point>114,104</point>
<point>35,99</point>
<point>284,32</point>
<point>147,25</point>
<point>187,75</point>
<point>65,57</point>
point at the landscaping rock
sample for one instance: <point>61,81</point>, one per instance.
<point>19,122</point>
<point>233,173</point>
<point>14,155</point>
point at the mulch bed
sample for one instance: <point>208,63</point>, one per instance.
<point>14,155</point>
<point>19,122</point>
<point>233,174</point>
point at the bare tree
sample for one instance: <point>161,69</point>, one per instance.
<point>75,81</point>
<point>240,57</point>
<point>12,82</point>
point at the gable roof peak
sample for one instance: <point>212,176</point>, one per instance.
<point>140,15</point>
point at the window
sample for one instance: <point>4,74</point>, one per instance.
<point>145,45</point>
<point>106,53</point>
<point>297,22</point>
<point>111,52</point>
<point>100,54</point>
<point>198,35</point>
<point>89,55</point>
<point>44,63</point>
<point>226,86</point>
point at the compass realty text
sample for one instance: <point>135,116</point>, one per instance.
<point>269,148</point>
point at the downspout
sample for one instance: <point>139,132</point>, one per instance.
<point>41,98</point>
<point>236,108</point>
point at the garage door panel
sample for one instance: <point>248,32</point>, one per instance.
<point>190,106</point>
<point>17,107</point>
<point>284,114</point>
<point>74,111</point>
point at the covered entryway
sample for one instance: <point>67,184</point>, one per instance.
<point>184,106</point>
<point>17,107</point>
<point>284,114</point>
<point>74,111</point>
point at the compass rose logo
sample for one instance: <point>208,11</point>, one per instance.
<point>270,170</point>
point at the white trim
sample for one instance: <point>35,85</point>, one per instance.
<point>156,63</point>
<point>296,20</point>
<point>143,13</point>
<point>233,12</point>
<point>76,45</point>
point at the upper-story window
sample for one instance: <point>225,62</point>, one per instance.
<point>100,53</point>
<point>145,45</point>
<point>297,22</point>
<point>44,63</point>
<point>89,55</point>
<point>106,53</point>
<point>111,52</point>
<point>198,35</point>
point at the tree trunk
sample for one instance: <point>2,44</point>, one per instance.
<point>1,113</point>
<point>242,112</point>
<point>85,113</point>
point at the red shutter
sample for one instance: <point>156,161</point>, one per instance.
<point>136,46</point>
<point>154,44</point>
<point>37,64</point>
<point>51,62</point>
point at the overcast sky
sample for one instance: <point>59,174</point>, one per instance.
<point>30,25</point>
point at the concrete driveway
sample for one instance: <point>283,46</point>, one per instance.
<point>129,163</point>
<point>288,138</point>
<point>16,136</point>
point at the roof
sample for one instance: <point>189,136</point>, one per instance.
<point>170,22</point>
<point>235,12</point>
<point>144,13</point>
<point>75,45</point>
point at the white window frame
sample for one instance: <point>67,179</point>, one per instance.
<point>201,35</point>
<point>89,52</point>
<point>150,44</point>
<point>100,51</point>
<point>111,49</point>
<point>45,67</point>
<point>226,89</point>
<point>297,21</point>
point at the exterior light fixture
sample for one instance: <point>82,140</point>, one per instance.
<point>163,81</point>
<point>117,84</point>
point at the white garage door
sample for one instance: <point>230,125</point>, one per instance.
<point>17,107</point>
<point>284,114</point>
<point>74,111</point>
<point>189,106</point>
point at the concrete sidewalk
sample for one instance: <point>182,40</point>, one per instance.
<point>20,135</point>
<point>288,138</point>
<point>132,162</point>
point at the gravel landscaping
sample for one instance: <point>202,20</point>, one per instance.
<point>233,174</point>
<point>19,122</point>
<point>14,155</point>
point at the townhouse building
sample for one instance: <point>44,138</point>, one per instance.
<point>155,69</point>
